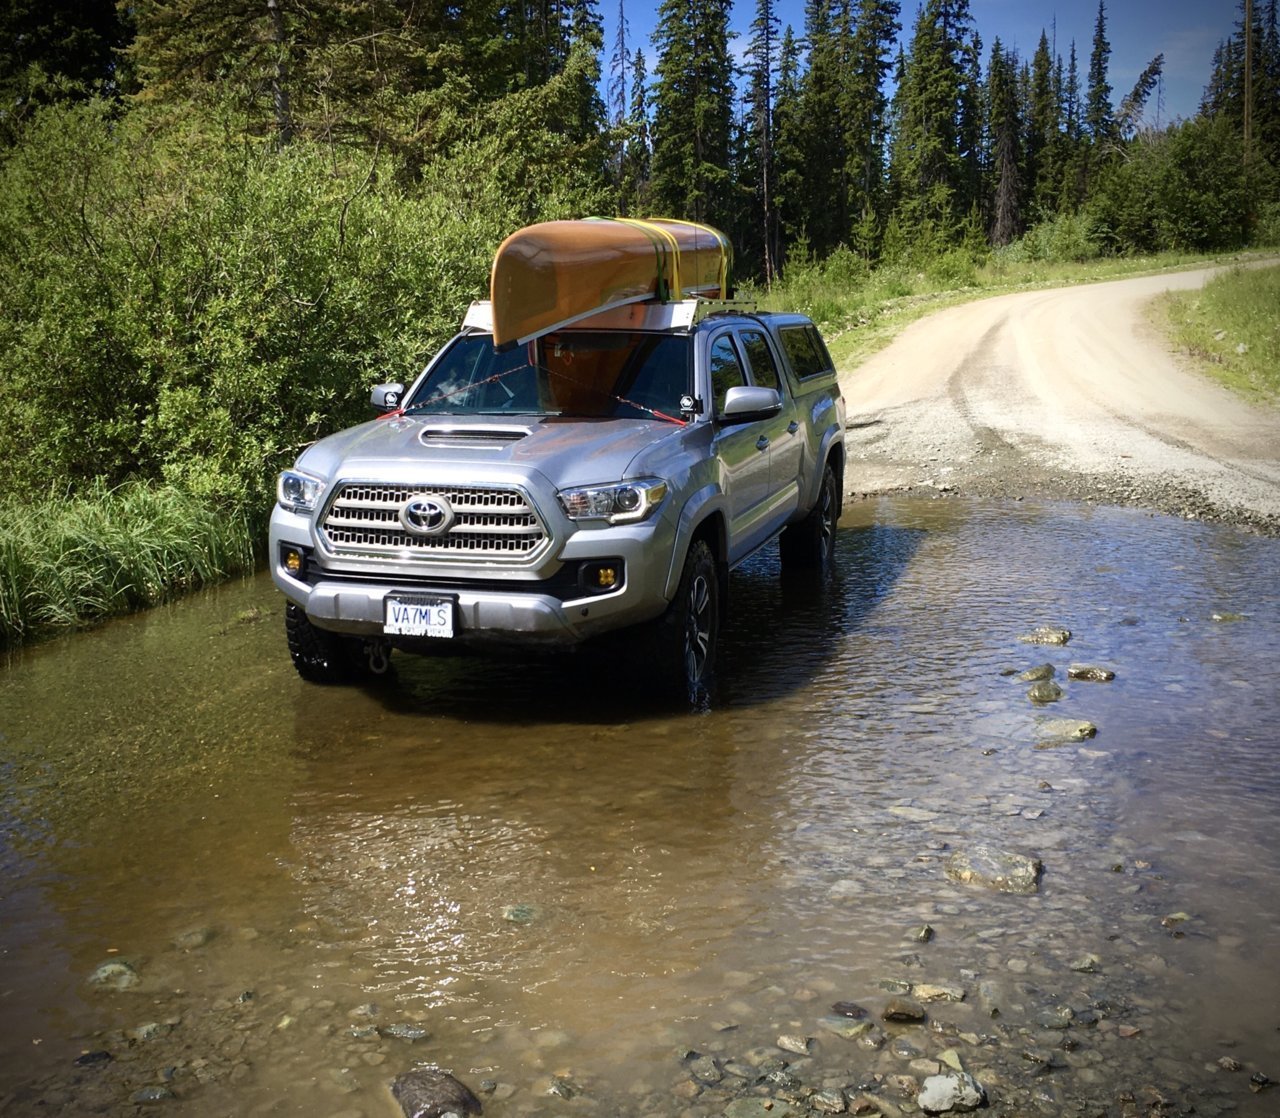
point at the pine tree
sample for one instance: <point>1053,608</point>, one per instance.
<point>1044,149</point>
<point>759,154</point>
<point>637,153</point>
<point>866,117</point>
<point>693,110</point>
<point>1098,111</point>
<point>789,146</point>
<point>56,50</point>
<point>935,167</point>
<point>825,199</point>
<point>1005,129</point>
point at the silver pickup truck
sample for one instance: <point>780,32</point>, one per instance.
<point>604,476</point>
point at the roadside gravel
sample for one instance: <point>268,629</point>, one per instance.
<point>1068,394</point>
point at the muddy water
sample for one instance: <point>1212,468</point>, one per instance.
<point>529,874</point>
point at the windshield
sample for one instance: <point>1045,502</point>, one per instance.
<point>577,374</point>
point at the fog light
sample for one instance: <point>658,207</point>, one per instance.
<point>291,559</point>
<point>601,576</point>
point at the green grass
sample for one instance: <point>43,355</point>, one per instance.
<point>861,310</point>
<point>1232,327</point>
<point>68,561</point>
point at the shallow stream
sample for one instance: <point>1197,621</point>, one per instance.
<point>524,872</point>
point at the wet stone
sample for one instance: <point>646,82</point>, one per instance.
<point>1046,634</point>
<point>903,1009</point>
<point>432,1093</point>
<point>845,1027</point>
<point>791,1042</point>
<point>1037,674</point>
<point>152,1095</point>
<point>957,1092</point>
<point>403,1031</point>
<point>1044,692</point>
<point>922,934</point>
<point>848,1009</point>
<point>114,975</point>
<point>1088,673</point>
<point>931,992</point>
<point>995,869</point>
<point>194,938</point>
<point>828,1102</point>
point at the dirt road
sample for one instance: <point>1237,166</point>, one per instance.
<point>1068,394</point>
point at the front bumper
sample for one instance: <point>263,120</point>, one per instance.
<point>544,606</point>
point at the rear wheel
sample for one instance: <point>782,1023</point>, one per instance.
<point>811,544</point>
<point>323,657</point>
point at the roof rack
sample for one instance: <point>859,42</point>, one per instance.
<point>649,315</point>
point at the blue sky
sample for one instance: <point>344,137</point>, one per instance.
<point>1186,31</point>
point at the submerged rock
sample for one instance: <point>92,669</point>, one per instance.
<point>1037,674</point>
<point>1045,691</point>
<point>995,869</point>
<point>1046,634</point>
<point>114,975</point>
<point>432,1093</point>
<point>903,1009</point>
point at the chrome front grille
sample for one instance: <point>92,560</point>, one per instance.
<point>495,523</point>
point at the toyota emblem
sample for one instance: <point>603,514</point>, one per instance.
<point>427,516</point>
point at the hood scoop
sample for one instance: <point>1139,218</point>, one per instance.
<point>471,438</point>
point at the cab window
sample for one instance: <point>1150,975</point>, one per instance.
<point>726,369</point>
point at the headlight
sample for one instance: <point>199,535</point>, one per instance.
<point>298,492</point>
<point>622,503</point>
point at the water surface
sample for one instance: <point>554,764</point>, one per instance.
<point>528,872</point>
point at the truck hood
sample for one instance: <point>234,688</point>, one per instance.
<point>566,451</point>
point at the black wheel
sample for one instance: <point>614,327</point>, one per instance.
<point>321,656</point>
<point>689,632</point>
<point>811,544</point>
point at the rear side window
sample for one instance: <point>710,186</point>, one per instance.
<point>806,350</point>
<point>764,370</point>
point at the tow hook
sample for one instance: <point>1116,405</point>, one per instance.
<point>379,657</point>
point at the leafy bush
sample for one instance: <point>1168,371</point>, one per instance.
<point>1063,239</point>
<point>190,311</point>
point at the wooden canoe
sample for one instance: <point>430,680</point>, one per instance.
<point>550,275</point>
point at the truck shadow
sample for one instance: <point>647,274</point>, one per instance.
<point>781,631</point>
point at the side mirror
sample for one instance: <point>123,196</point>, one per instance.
<point>386,397</point>
<point>748,402</point>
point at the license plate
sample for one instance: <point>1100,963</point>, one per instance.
<point>417,616</point>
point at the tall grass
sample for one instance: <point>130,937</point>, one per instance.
<point>1232,325</point>
<point>68,561</point>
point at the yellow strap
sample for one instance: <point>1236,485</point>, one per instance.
<point>667,239</point>
<point>716,236</point>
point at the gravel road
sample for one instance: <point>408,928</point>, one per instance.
<point>1063,394</point>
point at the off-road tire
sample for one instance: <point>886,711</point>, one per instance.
<point>689,632</point>
<point>810,545</point>
<point>320,656</point>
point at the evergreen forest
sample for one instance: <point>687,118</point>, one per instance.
<point>221,221</point>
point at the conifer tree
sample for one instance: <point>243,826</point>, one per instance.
<point>761,58</point>
<point>637,153</point>
<point>825,195</point>
<point>1005,129</point>
<point>693,110</point>
<point>789,145</point>
<point>866,115</point>
<point>1098,111</point>
<point>935,165</point>
<point>1044,147</point>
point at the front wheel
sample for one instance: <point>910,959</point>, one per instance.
<point>689,632</point>
<point>811,544</point>
<point>323,657</point>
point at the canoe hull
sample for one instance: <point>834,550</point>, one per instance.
<point>550,275</point>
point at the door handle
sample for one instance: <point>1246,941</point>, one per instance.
<point>792,427</point>
<point>762,443</point>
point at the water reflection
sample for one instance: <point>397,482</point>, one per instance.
<point>528,861</point>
